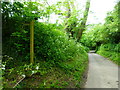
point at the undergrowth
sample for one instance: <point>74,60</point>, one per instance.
<point>65,75</point>
<point>111,51</point>
<point>44,74</point>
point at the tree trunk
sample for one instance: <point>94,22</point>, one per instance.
<point>69,28</point>
<point>68,9</point>
<point>83,23</point>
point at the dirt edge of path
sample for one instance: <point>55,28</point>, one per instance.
<point>85,75</point>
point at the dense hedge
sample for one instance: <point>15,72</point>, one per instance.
<point>55,44</point>
<point>50,44</point>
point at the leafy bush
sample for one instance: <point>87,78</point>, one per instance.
<point>110,47</point>
<point>52,44</point>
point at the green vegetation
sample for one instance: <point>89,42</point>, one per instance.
<point>60,61</point>
<point>104,38</point>
<point>60,49</point>
<point>111,47</point>
<point>55,54</point>
<point>112,51</point>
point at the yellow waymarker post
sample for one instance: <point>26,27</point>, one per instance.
<point>32,41</point>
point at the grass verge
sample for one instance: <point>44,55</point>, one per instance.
<point>113,56</point>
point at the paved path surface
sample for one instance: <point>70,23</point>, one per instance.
<point>102,73</point>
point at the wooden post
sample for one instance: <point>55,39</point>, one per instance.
<point>32,41</point>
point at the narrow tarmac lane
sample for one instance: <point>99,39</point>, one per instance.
<point>102,73</point>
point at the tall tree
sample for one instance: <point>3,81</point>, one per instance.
<point>70,18</point>
<point>83,23</point>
